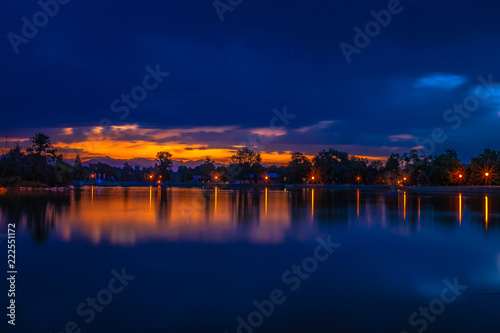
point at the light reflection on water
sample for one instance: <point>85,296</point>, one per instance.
<point>208,254</point>
<point>129,215</point>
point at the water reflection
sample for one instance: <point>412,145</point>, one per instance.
<point>36,212</point>
<point>130,215</point>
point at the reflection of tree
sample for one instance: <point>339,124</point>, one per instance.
<point>332,206</point>
<point>298,204</point>
<point>165,205</point>
<point>40,211</point>
<point>246,205</point>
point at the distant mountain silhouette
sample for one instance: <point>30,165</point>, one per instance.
<point>141,162</point>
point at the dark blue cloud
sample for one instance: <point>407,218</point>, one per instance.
<point>265,54</point>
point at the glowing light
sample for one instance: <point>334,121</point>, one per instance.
<point>460,208</point>
<point>312,203</point>
<point>267,177</point>
<point>404,178</point>
<point>215,210</point>
<point>265,201</point>
<point>418,209</point>
<point>312,177</point>
<point>487,174</point>
<point>357,203</point>
<point>159,182</point>
<point>404,205</point>
<point>216,177</point>
<point>486,212</point>
<point>460,176</point>
<point>150,177</point>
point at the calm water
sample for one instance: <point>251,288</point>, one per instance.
<point>196,260</point>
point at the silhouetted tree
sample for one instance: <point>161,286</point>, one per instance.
<point>299,168</point>
<point>164,164</point>
<point>326,164</point>
<point>244,163</point>
<point>78,169</point>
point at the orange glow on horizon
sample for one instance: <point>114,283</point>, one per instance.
<point>128,149</point>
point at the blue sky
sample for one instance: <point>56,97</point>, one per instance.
<point>226,77</point>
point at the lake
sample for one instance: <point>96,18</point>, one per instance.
<point>253,260</point>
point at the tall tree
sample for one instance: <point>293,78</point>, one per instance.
<point>326,164</point>
<point>164,164</point>
<point>244,163</point>
<point>40,144</point>
<point>78,169</point>
<point>299,168</point>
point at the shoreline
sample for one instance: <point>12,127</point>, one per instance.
<point>386,188</point>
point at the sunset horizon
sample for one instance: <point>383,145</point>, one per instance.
<point>250,166</point>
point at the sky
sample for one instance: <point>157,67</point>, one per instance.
<point>126,79</point>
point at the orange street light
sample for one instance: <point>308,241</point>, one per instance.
<point>487,174</point>
<point>404,178</point>
<point>159,182</point>
<point>216,177</point>
<point>460,176</point>
<point>357,178</point>
<point>267,177</point>
<point>150,177</point>
<point>312,177</point>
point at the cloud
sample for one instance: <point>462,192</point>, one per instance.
<point>441,81</point>
<point>401,137</point>
<point>319,126</point>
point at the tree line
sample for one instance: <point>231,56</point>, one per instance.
<point>41,165</point>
